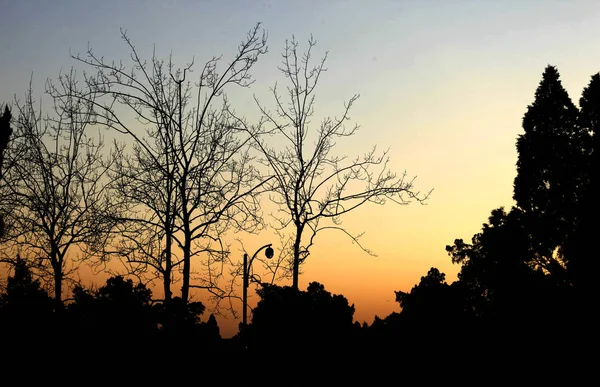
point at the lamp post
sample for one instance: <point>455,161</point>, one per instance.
<point>247,266</point>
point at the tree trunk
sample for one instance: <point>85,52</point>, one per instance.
<point>168,262</point>
<point>167,283</point>
<point>185,288</point>
<point>58,277</point>
<point>296,264</point>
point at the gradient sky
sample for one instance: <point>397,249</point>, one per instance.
<point>443,84</point>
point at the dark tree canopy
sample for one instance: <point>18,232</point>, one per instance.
<point>524,265</point>
<point>117,309</point>
<point>124,309</point>
<point>26,309</point>
<point>500,277</point>
<point>309,319</point>
<point>590,107</point>
<point>550,164</point>
<point>429,302</point>
<point>579,249</point>
<point>22,290</point>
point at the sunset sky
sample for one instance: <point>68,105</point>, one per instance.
<point>443,84</point>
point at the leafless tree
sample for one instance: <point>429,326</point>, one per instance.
<point>187,179</point>
<point>54,193</point>
<point>313,188</point>
<point>144,185</point>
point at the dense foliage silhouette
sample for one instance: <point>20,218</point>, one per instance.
<point>306,320</point>
<point>25,308</point>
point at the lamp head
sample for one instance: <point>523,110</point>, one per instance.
<point>269,252</point>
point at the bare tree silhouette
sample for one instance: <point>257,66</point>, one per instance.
<point>188,178</point>
<point>313,188</point>
<point>54,193</point>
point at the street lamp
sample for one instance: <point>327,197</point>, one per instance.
<point>247,266</point>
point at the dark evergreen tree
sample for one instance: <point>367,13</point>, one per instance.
<point>22,290</point>
<point>25,307</point>
<point>589,104</point>
<point>519,271</point>
<point>5,133</point>
<point>211,327</point>
<point>550,167</point>
<point>580,252</point>
<point>209,334</point>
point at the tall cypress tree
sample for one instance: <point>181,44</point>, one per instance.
<point>22,290</point>
<point>547,185</point>
<point>25,307</point>
<point>587,139</point>
<point>589,121</point>
<point>580,252</point>
<point>5,133</point>
<point>590,109</point>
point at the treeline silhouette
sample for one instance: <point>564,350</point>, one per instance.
<point>527,279</point>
